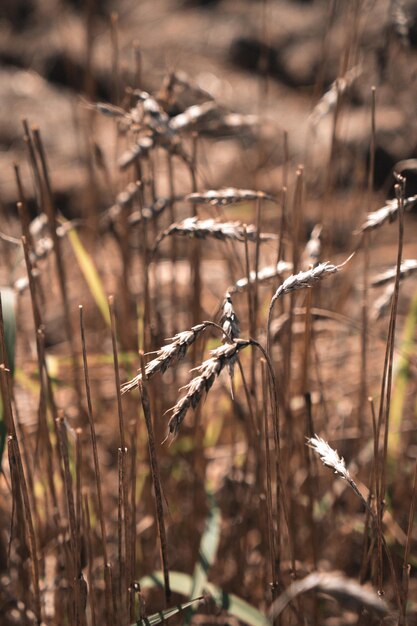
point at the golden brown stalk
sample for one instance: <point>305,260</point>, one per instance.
<point>156,480</point>
<point>97,473</point>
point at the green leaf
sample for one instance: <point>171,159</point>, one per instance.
<point>162,616</point>
<point>90,273</point>
<point>402,377</point>
<point>182,583</point>
<point>8,299</point>
<point>208,547</point>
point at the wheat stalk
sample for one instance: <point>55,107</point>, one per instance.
<point>229,195</point>
<point>208,372</point>
<point>387,213</point>
<point>168,354</point>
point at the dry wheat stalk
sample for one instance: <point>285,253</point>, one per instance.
<point>201,229</point>
<point>346,590</point>
<point>264,274</point>
<point>230,195</point>
<point>407,268</point>
<point>208,372</point>
<point>168,354</point>
<point>387,213</point>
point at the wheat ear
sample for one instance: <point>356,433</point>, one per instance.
<point>208,372</point>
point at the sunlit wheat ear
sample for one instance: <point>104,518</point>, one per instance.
<point>201,384</point>
<point>328,101</point>
<point>264,275</point>
<point>230,195</point>
<point>192,116</point>
<point>312,251</point>
<point>169,354</point>
<point>400,21</point>
<point>223,231</point>
<point>387,213</point>
<point>408,268</point>
<point>382,304</point>
<point>331,459</point>
<point>229,320</point>
<point>303,280</point>
<point>139,149</point>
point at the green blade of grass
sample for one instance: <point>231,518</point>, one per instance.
<point>208,547</point>
<point>182,584</point>
<point>401,380</point>
<point>162,616</point>
<point>90,274</point>
<point>8,299</point>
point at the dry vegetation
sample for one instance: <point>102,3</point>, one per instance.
<point>215,306</point>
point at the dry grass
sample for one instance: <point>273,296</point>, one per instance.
<point>104,518</point>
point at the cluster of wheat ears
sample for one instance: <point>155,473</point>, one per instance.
<point>71,559</point>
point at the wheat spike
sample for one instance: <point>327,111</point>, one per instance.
<point>229,319</point>
<point>168,354</point>
<point>230,195</point>
<point>208,372</point>
<point>192,116</point>
<point>266,273</point>
<point>408,268</point>
<point>387,213</point>
<point>201,229</point>
<point>331,459</point>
